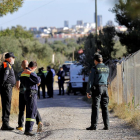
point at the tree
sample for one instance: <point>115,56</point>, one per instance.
<point>106,37</point>
<point>90,48</point>
<point>11,6</point>
<point>127,14</point>
<point>17,32</point>
<point>119,50</point>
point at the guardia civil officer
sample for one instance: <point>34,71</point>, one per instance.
<point>30,81</point>
<point>22,101</point>
<point>7,83</point>
<point>98,85</point>
<point>42,74</point>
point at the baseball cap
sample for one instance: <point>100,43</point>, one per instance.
<point>8,55</point>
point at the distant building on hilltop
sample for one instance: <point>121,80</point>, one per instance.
<point>89,25</point>
<point>99,20</point>
<point>33,29</point>
<point>66,23</point>
<point>79,22</point>
<point>120,28</point>
<point>41,29</point>
<point>110,23</point>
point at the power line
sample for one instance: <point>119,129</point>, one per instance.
<point>29,12</point>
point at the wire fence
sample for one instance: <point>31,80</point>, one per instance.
<point>124,79</point>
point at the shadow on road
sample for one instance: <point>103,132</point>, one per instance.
<point>63,101</point>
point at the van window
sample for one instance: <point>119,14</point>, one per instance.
<point>66,67</point>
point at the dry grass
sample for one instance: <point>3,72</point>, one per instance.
<point>127,112</point>
<point>14,104</point>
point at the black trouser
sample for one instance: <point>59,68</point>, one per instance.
<point>100,97</point>
<point>50,89</point>
<point>61,86</point>
<point>43,90</point>
<point>31,109</point>
<point>22,104</point>
<point>6,94</point>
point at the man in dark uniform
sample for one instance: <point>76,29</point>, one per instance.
<point>7,83</point>
<point>22,101</point>
<point>42,74</point>
<point>49,82</point>
<point>98,85</point>
<point>61,75</point>
<point>31,82</point>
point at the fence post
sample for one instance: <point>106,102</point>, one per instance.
<point>126,76</point>
<point>135,79</point>
<point>117,84</point>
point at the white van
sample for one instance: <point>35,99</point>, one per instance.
<point>78,81</point>
<point>66,68</point>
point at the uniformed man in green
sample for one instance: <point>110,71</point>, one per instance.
<point>97,84</point>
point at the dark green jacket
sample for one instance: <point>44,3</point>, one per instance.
<point>98,76</point>
<point>42,75</point>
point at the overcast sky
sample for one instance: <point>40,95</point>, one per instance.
<point>38,13</point>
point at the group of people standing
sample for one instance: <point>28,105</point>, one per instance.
<point>47,78</point>
<point>28,83</point>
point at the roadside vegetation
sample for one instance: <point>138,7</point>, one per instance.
<point>14,104</point>
<point>128,112</point>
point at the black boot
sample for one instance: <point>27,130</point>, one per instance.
<point>31,133</point>
<point>91,128</point>
<point>7,128</point>
<point>106,128</point>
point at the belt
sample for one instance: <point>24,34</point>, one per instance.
<point>8,85</point>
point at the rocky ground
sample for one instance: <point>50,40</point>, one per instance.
<point>66,118</point>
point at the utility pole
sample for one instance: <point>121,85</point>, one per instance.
<point>96,15</point>
<point>96,21</point>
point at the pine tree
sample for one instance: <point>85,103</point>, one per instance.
<point>11,6</point>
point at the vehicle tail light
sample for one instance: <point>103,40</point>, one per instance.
<point>84,78</point>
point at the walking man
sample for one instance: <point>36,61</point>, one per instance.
<point>7,83</point>
<point>98,85</point>
<point>22,101</point>
<point>49,82</point>
<point>61,75</point>
<point>30,81</point>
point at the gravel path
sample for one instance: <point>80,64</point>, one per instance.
<point>66,117</point>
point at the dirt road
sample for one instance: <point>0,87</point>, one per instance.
<point>66,117</point>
